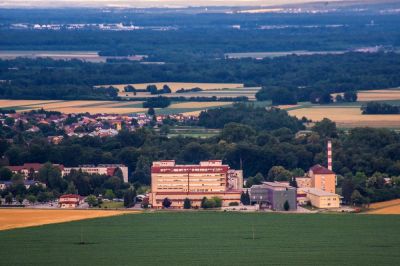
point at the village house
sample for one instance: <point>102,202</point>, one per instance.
<point>70,201</point>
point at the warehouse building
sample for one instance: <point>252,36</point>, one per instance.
<point>273,195</point>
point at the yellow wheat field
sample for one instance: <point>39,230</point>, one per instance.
<point>284,107</point>
<point>174,86</point>
<point>198,104</point>
<point>69,104</point>
<point>193,113</point>
<point>378,95</point>
<point>375,95</point>
<point>16,218</point>
<point>16,103</point>
<point>68,107</point>
<point>98,110</point>
<point>347,117</point>
<point>386,207</point>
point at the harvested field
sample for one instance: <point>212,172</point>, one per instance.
<point>347,117</point>
<point>285,107</point>
<point>386,207</point>
<point>16,103</point>
<point>93,107</point>
<point>98,110</point>
<point>376,95</point>
<point>198,104</point>
<point>174,86</point>
<point>16,218</point>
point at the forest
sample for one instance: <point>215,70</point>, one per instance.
<point>185,38</point>
<point>298,78</point>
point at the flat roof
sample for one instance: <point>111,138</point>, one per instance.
<point>319,192</point>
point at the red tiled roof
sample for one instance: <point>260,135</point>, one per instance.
<point>320,170</point>
<point>70,196</point>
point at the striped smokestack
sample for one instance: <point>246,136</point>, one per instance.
<point>330,155</point>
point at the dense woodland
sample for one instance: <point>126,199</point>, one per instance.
<point>299,78</point>
<point>186,41</point>
<point>373,108</point>
<point>363,157</point>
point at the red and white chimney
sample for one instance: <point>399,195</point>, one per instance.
<point>330,155</point>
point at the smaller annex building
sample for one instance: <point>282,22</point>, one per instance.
<point>321,199</point>
<point>70,201</point>
<point>274,195</point>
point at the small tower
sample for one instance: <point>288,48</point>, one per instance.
<point>330,155</point>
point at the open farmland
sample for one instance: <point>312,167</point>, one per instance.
<point>346,116</point>
<point>106,107</point>
<point>16,218</point>
<point>209,238</point>
<point>92,107</point>
<point>218,90</point>
<point>174,86</point>
<point>386,207</point>
<point>89,56</point>
<point>376,95</point>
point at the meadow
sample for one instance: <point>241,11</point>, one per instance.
<point>209,238</point>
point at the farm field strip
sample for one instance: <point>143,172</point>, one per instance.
<point>386,207</point>
<point>16,218</point>
<point>174,86</point>
<point>24,103</point>
<point>99,110</point>
<point>198,104</point>
<point>347,116</point>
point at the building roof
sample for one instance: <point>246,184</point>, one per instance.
<point>320,170</point>
<point>29,166</point>
<point>274,185</point>
<point>318,192</point>
<point>70,196</point>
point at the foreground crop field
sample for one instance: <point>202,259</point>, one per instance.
<point>15,218</point>
<point>386,207</point>
<point>209,238</point>
<point>346,117</point>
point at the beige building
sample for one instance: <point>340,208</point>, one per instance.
<point>207,179</point>
<point>322,178</point>
<point>318,187</point>
<point>318,177</point>
<point>101,169</point>
<point>321,199</point>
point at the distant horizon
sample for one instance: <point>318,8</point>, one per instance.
<point>153,3</point>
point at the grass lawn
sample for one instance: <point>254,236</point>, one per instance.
<point>209,238</point>
<point>112,205</point>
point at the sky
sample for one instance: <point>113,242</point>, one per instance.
<point>148,3</point>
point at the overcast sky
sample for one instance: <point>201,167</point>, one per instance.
<point>148,3</point>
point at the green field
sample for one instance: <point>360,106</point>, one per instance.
<point>209,238</point>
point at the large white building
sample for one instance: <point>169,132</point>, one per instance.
<point>207,179</point>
